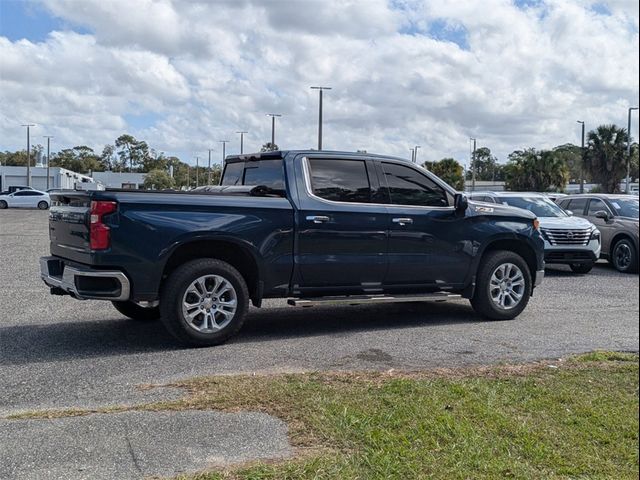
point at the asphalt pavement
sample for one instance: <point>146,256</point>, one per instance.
<point>58,352</point>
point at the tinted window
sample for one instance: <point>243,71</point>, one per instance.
<point>577,205</point>
<point>340,180</point>
<point>625,207</point>
<point>409,187</point>
<point>540,206</point>
<point>596,205</point>
<point>233,173</point>
<point>269,173</point>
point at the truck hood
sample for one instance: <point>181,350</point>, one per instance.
<point>577,223</point>
<point>500,210</point>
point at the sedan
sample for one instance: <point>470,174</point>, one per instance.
<point>26,199</point>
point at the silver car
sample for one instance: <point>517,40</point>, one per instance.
<point>616,216</point>
<point>568,240</point>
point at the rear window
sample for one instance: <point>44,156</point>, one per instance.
<point>268,173</point>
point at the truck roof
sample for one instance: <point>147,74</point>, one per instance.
<point>283,153</point>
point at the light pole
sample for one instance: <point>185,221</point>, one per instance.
<point>197,171</point>
<point>242,141</point>
<point>582,159</point>
<point>48,137</point>
<point>627,190</point>
<point>209,176</point>
<point>273,127</point>
<point>28,125</point>
<point>224,149</point>
<point>415,153</point>
<point>473,166</point>
<point>320,90</point>
<point>412,154</point>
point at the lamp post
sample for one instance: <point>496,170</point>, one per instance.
<point>415,153</point>
<point>627,189</point>
<point>224,149</point>
<point>473,166</point>
<point>581,159</point>
<point>412,154</point>
<point>197,171</point>
<point>48,137</point>
<point>28,125</point>
<point>320,90</point>
<point>273,126</point>
<point>242,141</point>
<point>209,176</point>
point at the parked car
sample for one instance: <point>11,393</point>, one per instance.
<point>568,240</point>
<point>15,188</point>
<point>554,197</point>
<point>315,227</point>
<point>616,216</point>
<point>26,198</point>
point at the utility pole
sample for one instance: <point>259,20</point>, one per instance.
<point>242,141</point>
<point>48,137</point>
<point>581,158</point>
<point>320,90</point>
<point>28,125</point>
<point>415,153</point>
<point>197,171</point>
<point>412,154</point>
<point>473,167</point>
<point>209,177</point>
<point>224,150</point>
<point>273,126</point>
<point>627,189</point>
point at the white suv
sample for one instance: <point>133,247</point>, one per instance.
<point>568,240</point>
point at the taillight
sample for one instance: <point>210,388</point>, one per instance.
<point>99,236</point>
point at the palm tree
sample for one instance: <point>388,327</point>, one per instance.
<point>536,170</point>
<point>605,158</point>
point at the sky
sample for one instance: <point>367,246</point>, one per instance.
<point>184,74</point>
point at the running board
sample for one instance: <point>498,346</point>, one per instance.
<point>371,299</point>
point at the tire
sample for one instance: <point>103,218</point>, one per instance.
<point>483,301</point>
<point>43,205</point>
<point>3,205</point>
<point>624,256</point>
<point>136,312</point>
<point>204,302</point>
<point>582,268</point>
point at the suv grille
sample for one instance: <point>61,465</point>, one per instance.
<point>566,237</point>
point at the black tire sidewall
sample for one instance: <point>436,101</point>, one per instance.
<point>3,205</point>
<point>482,302</point>
<point>136,312</point>
<point>633,265</point>
<point>46,205</point>
<point>173,291</point>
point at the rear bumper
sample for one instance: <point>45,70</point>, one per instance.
<point>83,282</point>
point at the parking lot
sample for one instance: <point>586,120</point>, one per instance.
<point>59,352</point>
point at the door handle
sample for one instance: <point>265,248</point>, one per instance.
<point>403,221</point>
<point>318,218</point>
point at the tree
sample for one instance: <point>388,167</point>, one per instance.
<point>448,170</point>
<point>571,155</point>
<point>486,166</point>
<point>606,156</point>
<point>634,162</point>
<point>535,170</point>
<point>158,180</point>
<point>269,147</point>
<point>81,159</point>
<point>131,151</point>
<point>107,157</point>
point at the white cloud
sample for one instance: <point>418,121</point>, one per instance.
<point>207,69</point>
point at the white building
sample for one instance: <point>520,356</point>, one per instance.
<point>58,178</point>
<point>120,179</point>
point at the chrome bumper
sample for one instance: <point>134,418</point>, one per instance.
<point>57,275</point>
<point>539,277</point>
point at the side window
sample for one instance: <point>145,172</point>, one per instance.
<point>409,187</point>
<point>596,205</point>
<point>20,194</point>
<point>340,180</point>
<point>577,205</point>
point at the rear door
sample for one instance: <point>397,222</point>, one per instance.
<point>342,230</point>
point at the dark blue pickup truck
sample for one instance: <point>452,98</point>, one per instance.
<point>314,227</point>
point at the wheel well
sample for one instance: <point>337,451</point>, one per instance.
<point>229,252</point>
<point>616,239</point>
<point>519,247</point>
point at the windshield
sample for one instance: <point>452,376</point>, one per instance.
<point>540,206</point>
<point>626,207</point>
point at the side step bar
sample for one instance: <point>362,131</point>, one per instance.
<point>371,299</point>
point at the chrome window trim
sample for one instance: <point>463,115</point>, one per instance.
<point>306,170</point>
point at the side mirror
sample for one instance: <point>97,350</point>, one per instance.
<point>603,215</point>
<point>570,213</point>
<point>460,203</point>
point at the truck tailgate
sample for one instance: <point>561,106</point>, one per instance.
<point>69,225</point>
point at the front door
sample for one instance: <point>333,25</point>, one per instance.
<point>607,228</point>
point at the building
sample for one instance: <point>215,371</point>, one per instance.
<point>58,178</point>
<point>120,179</point>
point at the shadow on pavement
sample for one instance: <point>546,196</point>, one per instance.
<point>101,338</point>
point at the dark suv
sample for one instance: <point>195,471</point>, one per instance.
<point>616,216</point>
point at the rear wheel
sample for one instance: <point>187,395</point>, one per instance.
<point>43,205</point>
<point>625,256</point>
<point>581,267</point>
<point>3,204</point>
<point>204,302</point>
<point>136,312</point>
<point>503,286</point>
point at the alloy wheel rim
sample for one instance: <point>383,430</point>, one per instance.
<point>507,286</point>
<point>623,256</point>
<point>209,303</point>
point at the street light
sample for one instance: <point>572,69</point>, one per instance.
<point>242,141</point>
<point>412,154</point>
<point>48,137</point>
<point>415,153</point>
<point>209,176</point>
<point>28,125</point>
<point>320,90</point>
<point>224,149</point>
<point>628,187</point>
<point>582,159</point>
<point>273,127</point>
<point>473,166</point>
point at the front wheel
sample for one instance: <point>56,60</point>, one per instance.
<point>503,286</point>
<point>625,256</point>
<point>136,312</point>
<point>43,205</point>
<point>204,302</point>
<point>581,268</point>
